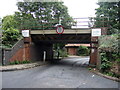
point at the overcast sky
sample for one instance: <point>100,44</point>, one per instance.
<point>76,8</point>
<point>81,8</point>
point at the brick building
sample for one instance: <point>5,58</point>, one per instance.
<point>72,48</point>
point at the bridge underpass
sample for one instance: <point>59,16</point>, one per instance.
<point>69,36</point>
<point>84,38</point>
<point>43,40</point>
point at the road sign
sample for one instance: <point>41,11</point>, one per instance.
<point>25,33</point>
<point>59,29</point>
<point>96,32</point>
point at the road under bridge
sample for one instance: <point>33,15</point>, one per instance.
<point>43,40</point>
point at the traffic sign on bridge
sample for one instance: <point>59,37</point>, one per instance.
<point>60,29</point>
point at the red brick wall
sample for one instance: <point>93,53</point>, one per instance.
<point>72,51</point>
<point>22,54</point>
<point>94,56</point>
<point>18,56</point>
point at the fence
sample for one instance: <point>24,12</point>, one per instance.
<point>82,22</point>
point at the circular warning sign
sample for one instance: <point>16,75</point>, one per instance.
<point>59,29</point>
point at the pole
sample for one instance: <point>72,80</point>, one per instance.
<point>60,21</point>
<point>3,57</point>
<point>24,51</point>
<point>44,57</point>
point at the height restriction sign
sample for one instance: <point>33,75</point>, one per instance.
<point>60,29</point>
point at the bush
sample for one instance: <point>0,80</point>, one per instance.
<point>109,43</point>
<point>105,66</point>
<point>10,36</point>
<point>19,62</point>
<point>83,50</point>
<point>62,53</point>
<point>109,52</point>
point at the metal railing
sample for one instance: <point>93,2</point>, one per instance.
<point>82,22</point>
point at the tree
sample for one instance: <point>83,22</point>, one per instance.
<point>0,25</point>
<point>10,36</point>
<point>83,50</point>
<point>9,22</point>
<point>0,21</point>
<point>42,15</point>
<point>0,29</point>
<point>109,12</point>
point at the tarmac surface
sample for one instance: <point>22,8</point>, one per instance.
<point>71,72</point>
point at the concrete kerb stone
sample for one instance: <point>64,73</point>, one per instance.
<point>108,77</point>
<point>21,66</point>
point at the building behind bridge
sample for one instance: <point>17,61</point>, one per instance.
<point>72,48</point>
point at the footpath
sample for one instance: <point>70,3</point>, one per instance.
<point>21,66</point>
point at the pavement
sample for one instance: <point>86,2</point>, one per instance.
<point>21,66</point>
<point>66,73</point>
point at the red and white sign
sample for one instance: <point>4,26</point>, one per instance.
<point>60,29</point>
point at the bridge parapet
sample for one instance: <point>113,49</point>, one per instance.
<point>66,31</point>
<point>78,23</point>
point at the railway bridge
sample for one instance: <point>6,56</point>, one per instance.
<point>43,40</point>
<point>38,43</point>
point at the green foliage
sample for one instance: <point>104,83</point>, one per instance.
<point>0,30</point>
<point>63,53</point>
<point>0,21</point>
<point>10,33</point>
<point>111,42</point>
<point>89,68</point>
<point>112,74</point>
<point>109,47</point>
<point>83,50</point>
<point>19,62</point>
<point>105,66</point>
<point>118,60</point>
<point>42,15</point>
<point>108,12</point>
<point>59,48</point>
<point>58,45</point>
<point>10,36</point>
<point>9,22</point>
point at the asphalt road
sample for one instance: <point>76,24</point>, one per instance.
<point>68,73</point>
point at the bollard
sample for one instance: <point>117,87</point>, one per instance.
<point>44,57</point>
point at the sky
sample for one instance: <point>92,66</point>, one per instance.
<point>7,7</point>
<point>81,8</point>
<point>76,8</point>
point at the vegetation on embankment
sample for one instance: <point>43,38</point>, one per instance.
<point>109,47</point>
<point>10,33</point>
<point>110,55</point>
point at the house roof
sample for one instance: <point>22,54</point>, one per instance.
<point>77,45</point>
